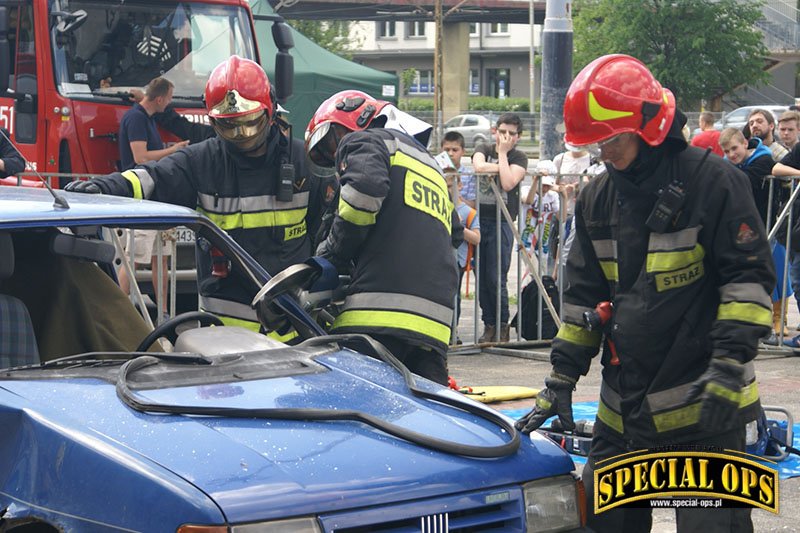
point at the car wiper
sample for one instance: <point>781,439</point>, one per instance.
<point>96,359</point>
<point>312,414</point>
<point>122,95</point>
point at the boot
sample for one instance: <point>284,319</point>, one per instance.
<point>505,333</point>
<point>488,334</point>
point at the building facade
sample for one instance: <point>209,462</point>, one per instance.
<point>499,55</point>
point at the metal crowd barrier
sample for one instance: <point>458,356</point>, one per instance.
<point>532,259</point>
<point>536,267</point>
<point>773,226</point>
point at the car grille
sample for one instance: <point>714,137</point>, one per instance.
<point>493,510</point>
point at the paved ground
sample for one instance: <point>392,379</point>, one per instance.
<point>779,383</point>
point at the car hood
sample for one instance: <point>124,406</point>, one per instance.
<point>262,468</point>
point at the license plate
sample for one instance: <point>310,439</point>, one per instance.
<point>185,235</point>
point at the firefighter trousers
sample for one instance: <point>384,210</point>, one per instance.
<point>635,520</point>
<point>419,360</point>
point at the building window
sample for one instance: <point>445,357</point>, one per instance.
<point>386,29</point>
<point>474,82</point>
<point>497,82</point>
<point>423,83</point>
<point>497,28</point>
<point>415,29</point>
<point>473,28</point>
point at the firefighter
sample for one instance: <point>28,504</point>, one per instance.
<point>395,224</point>
<point>672,238</point>
<point>250,179</point>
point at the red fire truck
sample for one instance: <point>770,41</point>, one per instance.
<point>67,68</point>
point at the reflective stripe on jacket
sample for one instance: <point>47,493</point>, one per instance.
<point>394,222</point>
<point>698,290</point>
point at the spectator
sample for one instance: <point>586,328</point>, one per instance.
<point>11,161</point>
<point>789,128</point>
<point>792,159</point>
<point>709,136</point>
<point>575,165</point>
<point>140,142</point>
<point>509,165</point>
<point>453,144</point>
<point>762,125</point>
<point>544,218</point>
<point>755,160</point>
<point>472,236</point>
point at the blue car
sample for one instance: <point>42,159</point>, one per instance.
<point>199,427</point>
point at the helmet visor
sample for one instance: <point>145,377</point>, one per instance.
<point>241,128</point>
<point>323,142</point>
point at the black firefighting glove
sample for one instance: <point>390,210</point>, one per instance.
<point>719,390</point>
<point>555,399</point>
<point>87,187</point>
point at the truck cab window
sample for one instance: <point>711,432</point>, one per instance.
<point>125,45</point>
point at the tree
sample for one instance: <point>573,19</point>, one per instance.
<point>407,77</point>
<point>333,35</point>
<point>696,48</point>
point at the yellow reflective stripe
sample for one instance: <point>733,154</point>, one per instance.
<point>249,324</point>
<point>578,335</point>
<point>396,320</point>
<point>609,417</point>
<point>690,414</point>
<point>404,160</point>
<point>662,261</point>
<point>598,112</point>
<point>418,193</point>
<point>745,312</point>
<point>610,270</point>
<point>679,278</point>
<point>135,183</point>
<point>286,337</point>
<point>354,215</point>
<point>267,219</point>
<point>677,418</point>
<point>749,395</point>
<point>733,396</point>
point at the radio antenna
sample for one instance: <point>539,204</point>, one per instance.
<point>59,201</point>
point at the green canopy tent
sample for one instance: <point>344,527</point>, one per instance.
<point>318,73</point>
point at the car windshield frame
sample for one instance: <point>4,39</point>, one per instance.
<point>123,45</point>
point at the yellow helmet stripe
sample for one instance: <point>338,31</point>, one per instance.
<point>598,112</point>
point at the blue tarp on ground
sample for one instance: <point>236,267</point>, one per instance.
<point>789,467</point>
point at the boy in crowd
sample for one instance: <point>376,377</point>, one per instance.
<point>453,147</point>
<point>789,128</point>
<point>755,160</point>
<point>506,165</point>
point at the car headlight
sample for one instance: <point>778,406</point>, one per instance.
<point>292,525</point>
<point>554,504</point>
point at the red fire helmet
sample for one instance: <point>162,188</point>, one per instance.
<point>617,94</point>
<point>238,87</point>
<point>353,110</point>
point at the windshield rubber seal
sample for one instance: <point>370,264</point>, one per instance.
<point>310,414</point>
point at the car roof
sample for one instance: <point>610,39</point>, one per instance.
<point>24,206</point>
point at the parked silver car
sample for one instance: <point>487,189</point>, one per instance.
<point>476,129</point>
<point>738,117</point>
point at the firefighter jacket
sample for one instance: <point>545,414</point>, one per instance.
<point>698,290</point>
<point>237,193</point>
<point>396,223</point>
